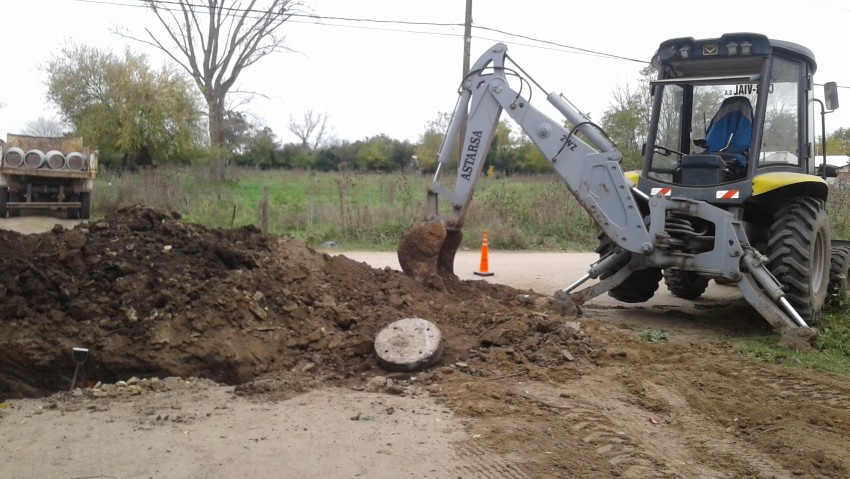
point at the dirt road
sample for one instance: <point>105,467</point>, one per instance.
<point>32,222</point>
<point>521,391</point>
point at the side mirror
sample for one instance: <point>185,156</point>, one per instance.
<point>830,95</point>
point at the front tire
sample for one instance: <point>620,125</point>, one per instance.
<point>684,284</point>
<point>799,255</point>
<point>639,287</point>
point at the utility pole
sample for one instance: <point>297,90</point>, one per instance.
<point>467,40</point>
<point>467,37</point>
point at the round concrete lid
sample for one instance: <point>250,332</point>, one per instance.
<point>409,344</point>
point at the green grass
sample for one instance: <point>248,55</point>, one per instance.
<point>832,352</point>
<point>355,210</point>
<point>371,211</point>
<point>653,335</point>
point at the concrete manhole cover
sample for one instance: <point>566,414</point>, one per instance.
<point>409,344</point>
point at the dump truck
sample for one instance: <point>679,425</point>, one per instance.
<point>46,173</point>
<point>727,190</point>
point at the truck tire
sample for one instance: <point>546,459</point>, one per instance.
<point>639,287</point>
<point>798,255</point>
<point>15,198</point>
<point>85,206</point>
<point>685,284</point>
<point>839,276</point>
<point>4,198</point>
<point>73,213</point>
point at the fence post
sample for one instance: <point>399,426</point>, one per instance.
<point>264,211</point>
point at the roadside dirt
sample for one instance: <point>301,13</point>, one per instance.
<point>273,341</point>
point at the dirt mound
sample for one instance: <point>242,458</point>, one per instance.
<point>152,296</point>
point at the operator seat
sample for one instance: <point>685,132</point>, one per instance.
<point>731,130</point>
<point>729,136</point>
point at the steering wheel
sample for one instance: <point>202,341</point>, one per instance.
<point>663,150</point>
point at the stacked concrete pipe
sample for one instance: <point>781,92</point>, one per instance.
<point>14,157</point>
<point>34,159</point>
<point>75,161</point>
<point>55,160</point>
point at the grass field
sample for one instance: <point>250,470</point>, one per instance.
<point>370,211</point>
<point>364,211</point>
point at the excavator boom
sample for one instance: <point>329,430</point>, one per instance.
<point>592,173</point>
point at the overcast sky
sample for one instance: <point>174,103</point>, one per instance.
<point>393,78</point>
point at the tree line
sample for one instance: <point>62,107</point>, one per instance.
<point>140,116</point>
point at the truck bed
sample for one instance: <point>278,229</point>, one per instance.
<point>46,144</point>
<point>47,173</point>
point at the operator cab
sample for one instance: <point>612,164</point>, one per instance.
<point>725,110</point>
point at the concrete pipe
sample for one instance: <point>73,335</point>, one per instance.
<point>76,161</point>
<point>34,159</point>
<point>55,160</point>
<point>14,157</point>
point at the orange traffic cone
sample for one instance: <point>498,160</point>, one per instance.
<point>483,268</point>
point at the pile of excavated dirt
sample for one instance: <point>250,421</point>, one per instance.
<point>153,296</point>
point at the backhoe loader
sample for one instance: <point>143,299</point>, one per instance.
<point>727,190</point>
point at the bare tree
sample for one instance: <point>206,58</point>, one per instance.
<point>313,126</point>
<point>214,40</point>
<point>44,127</point>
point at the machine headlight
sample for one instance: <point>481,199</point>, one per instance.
<point>731,49</point>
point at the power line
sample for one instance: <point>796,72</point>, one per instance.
<point>578,49</point>
<point>319,18</point>
<point>235,10</point>
<point>564,48</point>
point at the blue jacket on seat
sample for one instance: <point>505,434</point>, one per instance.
<point>731,129</point>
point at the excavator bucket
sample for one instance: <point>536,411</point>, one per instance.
<point>446,259</point>
<point>426,253</point>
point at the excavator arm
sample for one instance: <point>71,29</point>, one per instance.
<point>592,173</point>
<point>590,166</point>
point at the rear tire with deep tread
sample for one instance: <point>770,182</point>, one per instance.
<point>639,287</point>
<point>685,284</point>
<point>799,255</point>
<point>839,276</point>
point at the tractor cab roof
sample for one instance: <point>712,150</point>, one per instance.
<point>731,54</point>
